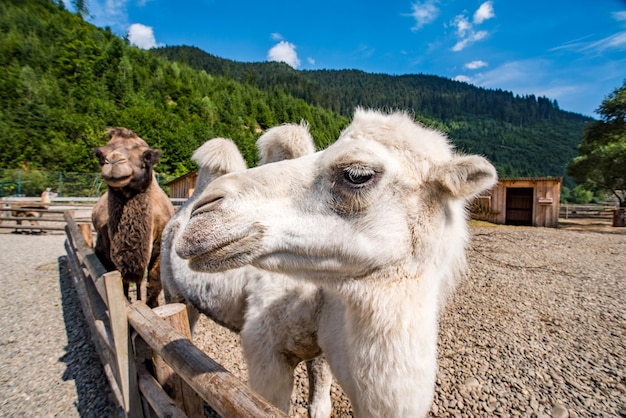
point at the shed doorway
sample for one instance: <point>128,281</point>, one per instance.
<point>519,206</point>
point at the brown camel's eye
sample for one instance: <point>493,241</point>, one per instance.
<point>100,156</point>
<point>357,175</point>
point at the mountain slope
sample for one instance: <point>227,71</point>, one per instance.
<point>63,81</point>
<point>523,136</point>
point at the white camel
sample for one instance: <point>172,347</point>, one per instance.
<point>378,222</point>
<point>275,325</point>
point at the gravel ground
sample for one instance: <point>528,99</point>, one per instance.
<point>48,364</point>
<point>537,329</point>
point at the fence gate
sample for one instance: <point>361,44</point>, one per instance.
<point>519,206</point>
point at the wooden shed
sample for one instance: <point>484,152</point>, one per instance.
<point>532,201</point>
<point>182,187</point>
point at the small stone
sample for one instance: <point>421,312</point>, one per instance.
<point>534,404</point>
<point>471,383</point>
<point>559,411</point>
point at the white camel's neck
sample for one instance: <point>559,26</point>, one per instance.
<point>392,338</point>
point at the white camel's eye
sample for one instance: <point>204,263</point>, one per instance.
<point>358,175</point>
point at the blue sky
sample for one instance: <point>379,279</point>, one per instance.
<point>572,51</point>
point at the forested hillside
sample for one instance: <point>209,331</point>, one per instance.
<point>523,136</point>
<point>64,81</point>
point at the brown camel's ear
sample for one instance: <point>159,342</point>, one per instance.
<point>465,177</point>
<point>151,156</point>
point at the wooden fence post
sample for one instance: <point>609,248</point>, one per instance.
<point>227,395</point>
<point>175,314</point>
<point>127,373</point>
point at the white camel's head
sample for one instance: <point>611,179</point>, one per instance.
<point>387,199</point>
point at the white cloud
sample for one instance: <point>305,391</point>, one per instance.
<point>462,25</point>
<point>619,15</point>
<point>584,45</point>
<point>474,65</point>
<point>284,52</point>
<point>514,75</point>
<point>473,37</point>
<point>484,12</point>
<point>311,61</point>
<point>276,36</point>
<point>465,29</point>
<point>580,91</point>
<point>615,41</point>
<point>534,76</point>
<point>423,13</point>
<point>142,36</point>
<point>463,78</point>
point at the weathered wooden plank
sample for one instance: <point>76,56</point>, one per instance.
<point>94,313</point>
<point>226,394</point>
<point>125,359</point>
<point>32,219</point>
<point>175,314</point>
<point>27,208</point>
<point>86,255</point>
<point>34,227</point>
<point>162,404</point>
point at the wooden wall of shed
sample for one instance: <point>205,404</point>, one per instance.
<point>182,188</point>
<point>546,196</point>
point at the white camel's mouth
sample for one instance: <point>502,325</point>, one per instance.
<point>226,257</point>
<point>218,251</point>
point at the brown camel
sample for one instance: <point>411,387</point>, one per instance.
<point>129,218</point>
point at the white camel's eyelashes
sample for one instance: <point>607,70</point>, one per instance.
<point>358,175</point>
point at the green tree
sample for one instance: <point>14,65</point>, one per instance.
<point>81,7</point>
<point>601,162</point>
<point>578,195</point>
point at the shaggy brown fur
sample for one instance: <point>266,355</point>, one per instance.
<point>129,218</point>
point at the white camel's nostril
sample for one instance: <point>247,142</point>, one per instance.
<point>206,204</point>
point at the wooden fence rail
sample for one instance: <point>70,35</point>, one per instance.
<point>568,211</point>
<point>35,217</point>
<point>120,329</point>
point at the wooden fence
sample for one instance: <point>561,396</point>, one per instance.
<point>26,215</point>
<point>598,211</point>
<point>131,339</point>
<point>37,217</point>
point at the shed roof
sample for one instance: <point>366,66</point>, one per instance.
<point>548,178</point>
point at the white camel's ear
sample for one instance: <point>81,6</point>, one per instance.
<point>465,177</point>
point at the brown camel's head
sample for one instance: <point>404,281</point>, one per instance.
<point>126,160</point>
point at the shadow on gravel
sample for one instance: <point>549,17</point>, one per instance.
<point>95,398</point>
